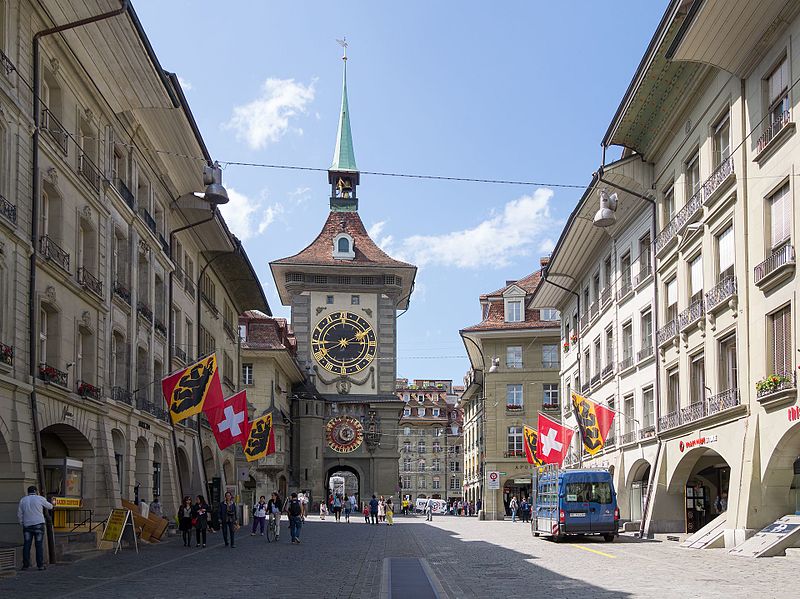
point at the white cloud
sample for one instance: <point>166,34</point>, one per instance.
<point>185,84</point>
<point>374,233</point>
<point>267,118</point>
<point>247,217</point>
<point>300,195</point>
<point>546,246</point>
<point>494,242</point>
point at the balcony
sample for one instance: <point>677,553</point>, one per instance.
<point>6,354</point>
<point>274,461</point>
<point>775,269</point>
<point>179,354</point>
<point>772,132</point>
<point>584,321</point>
<point>148,220</point>
<point>189,286</point>
<point>514,453</point>
<point>648,432</point>
<point>514,407</point>
<point>52,251</point>
<point>50,374</point>
<point>89,172</point>
<point>646,351</point>
<point>227,381</point>
<point>89,282</point>
<point>121,395</point>
<point>701,409</point>
<point>723,401</point>
<point>594,310</point>
<point>210,304</point>
<point>178,275</point>
<point>720,294</point>
<point>143,310</point>
<point>6,65</point>
<point>122,292</point>
<point>8,210</point>
<point>164,244</point>
<point>666,236</point>
<point>717,181</point>
<point>629,437</point>
<point>54,129</point>
<point>126,193</point>
<point>229,331</point>
<point>608,370</point>
<point>161,328</point>
<point>605,297</point>
<point>585,387</point>
<point>88,390</point>
<point>691,315</point>
<point>145,405</point>
<point>595,380</point>
<point>627,360</point>
<point>644,270</point>
<point>777,387</point>
<point>667,333</point>
<point>626,285</point>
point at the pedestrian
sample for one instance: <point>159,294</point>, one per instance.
<point>381,510</point>
<point>348,509</point>
<point>229,519</point>
<point>30,513</point>
<point>185,521</point>
<point>259,515</point>
<point>429,509</point>
<point>337,507</point>
<point>274,509</point>
<point>304,498</point>
<point>389,512</point>
<point>478,506</point>
<point>323,510</point>
<point>366,513</point>
<point>295,511</point>
<point>155,507</point>
<point>200,519</point>
<point>513,506</point>
<point>523,508</point>
<point>373,509</point>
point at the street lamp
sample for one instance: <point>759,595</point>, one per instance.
<point>606,215</point>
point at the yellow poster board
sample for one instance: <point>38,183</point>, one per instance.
<point>66,502</point>
<point>115,527</point>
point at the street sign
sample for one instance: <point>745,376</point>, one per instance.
<point>493,480</point>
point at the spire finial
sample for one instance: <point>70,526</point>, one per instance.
<point>343,43</point>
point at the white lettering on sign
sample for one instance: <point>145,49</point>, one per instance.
<point>683,445</point>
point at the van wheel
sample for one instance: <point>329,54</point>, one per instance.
<point>536,534</point>
<point>609,538</point>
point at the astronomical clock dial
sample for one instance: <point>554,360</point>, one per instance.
<point>344,434</point>
<point>343,343</point>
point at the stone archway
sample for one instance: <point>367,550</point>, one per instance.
<point>780,486</point>
<point>69,462</point>
<point>142,471</point>
<point>700,482</point>
<point>12,484</point>
<point>351,480</point>
<point>636,482</point>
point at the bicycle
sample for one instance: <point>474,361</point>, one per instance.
<point>272,528</point>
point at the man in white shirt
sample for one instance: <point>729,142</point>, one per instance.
<point>429,508</point>
<point>30,514</point>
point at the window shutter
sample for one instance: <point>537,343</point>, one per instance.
<point>725,244</point>
<point>672,292</point>
<point>781,341</point>
<point>780,215</point>
<point>778,81</point>
<point>697,274</point>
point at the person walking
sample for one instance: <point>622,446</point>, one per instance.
<point>200,519</point>
<point>295,511</point>
<point>389,512</point>
<point>229,519</point>
<point>274,509</point>
<point>366,513</point>
<point>259,515</point>
<point>429,509</point>
<point>348,508</point>
<point>513,506</point>
<point>373,509</point>
<point>382,510</point>
<point>323,510</point>
<point>337,507</point>
<point>185,521</point>
<point>30,513</point>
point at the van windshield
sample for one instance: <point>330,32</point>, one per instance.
<point>585,492</point>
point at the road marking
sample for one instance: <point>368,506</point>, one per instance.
<point>595,551</point>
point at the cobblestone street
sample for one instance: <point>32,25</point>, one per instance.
<point>468,558</point>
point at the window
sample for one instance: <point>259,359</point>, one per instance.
<point>697,380</point>
<point>647,330</point>
<point>343,247</point>
<point>628,413</point>
<point>627,344</point>
<point>407,431</point>
<point>625,267</point>
<point>725,254</point>
<point>778,95</point>
<point>435,411</point>
<point>598,357</point>
<point>780,216</point>
<point>515,440</point>
<point>648,405</point>
<point>422,482</point>
<point>437,447</point>
<point>247,374</point>
<point>455,466</point>
<point>550,395</point>
<point>721,141</point>
<point>696,279</point>
<point>514,396</point>
<point>156,479</point>
<point>673,390</point>
<point>672,300</point>
<point>590,491</point>
<point>609,346</point>
<point>549,314</point>
<point>550,357</point>
<point>436,465</point>
<point>329,299</point>
<point>455,484</point>
<point>668,204</point>
<point>355,300</point>
<point>420,411</point>
<point>514,356</point>
<point>406,482</point>
<point>781,352</point>
<point>514,311</point>
<point>421,465</point>
<point>644,257</point>
<point>691,172</point>
<point>728,371</point>
<point>243,332</point>
<point>607,272</point>
<point>421,447</point>
<point>596,286</point>
<point>436,483</point>
<point>406,446</point>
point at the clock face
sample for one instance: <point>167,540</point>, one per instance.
<point>344,433</point>
<point>343,343</point>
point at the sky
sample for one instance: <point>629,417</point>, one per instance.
<point>518,90</point>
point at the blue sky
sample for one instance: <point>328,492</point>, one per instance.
<point>512,90</point>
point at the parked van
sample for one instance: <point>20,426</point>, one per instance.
<point>574,502</point>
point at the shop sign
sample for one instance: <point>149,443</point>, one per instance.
<point>684,445</point>
<point>66,502</point>
<point>793,414</point>
<point>522,481</point>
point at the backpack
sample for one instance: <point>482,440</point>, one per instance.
<point>294,508</point>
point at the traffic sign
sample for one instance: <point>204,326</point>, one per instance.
<point>493,479</point>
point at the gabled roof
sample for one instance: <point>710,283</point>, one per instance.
<point>528,284</point>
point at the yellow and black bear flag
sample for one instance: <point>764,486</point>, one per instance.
<point>261,440</point>
<point>193,389</point>
<point>530,436</point>
<point>594,422</point>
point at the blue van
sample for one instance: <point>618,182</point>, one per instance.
<point>574,502</point>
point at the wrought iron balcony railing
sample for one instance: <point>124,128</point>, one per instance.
<point>626,285</point>
<point>56,131</point>
<point>690,315</point>
<point>594,309</point>
<point>8,210</point>
<point>647,432</point>
<point>148,219</point>
<point>180,353</point>
<point>720,293</point>
<point>629,437</point>
<point>88,281</point>
<point>780,259</point>
<point>210,304</point>
<point>784,381</point>
<point>144,311</point>
<point>646,351</point>
<point>51,374</point>
<point>52,251</point>
<point>189,286</point>
<point>667,333</point>
<point>608,370</point>
<point>164,244</point>
<point>229,331</point>
<point>126,193</point>
<point>6,65</point>
<point>627,360</point>
<point>717,178</point>
<point>605,296</point>
<point>644,269</point>
<point>6,354</point>
<point>723,401</point>
<point>160,327</point>
<point>89,171</point>
<point>595,380</point>
<point>88,390</point>
<point>122,395</point>
<point>774,126</point>
<point>121,291</point>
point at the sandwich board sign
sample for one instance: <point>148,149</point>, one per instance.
<point>117,522</point>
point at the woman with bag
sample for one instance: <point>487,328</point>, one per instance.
<point>228,517</point>
<point>274,509</point>
<point>185,521</point>
<point>200,519</point>
<point>389,512</point>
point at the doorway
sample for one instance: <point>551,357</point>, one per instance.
<point>343,480</point>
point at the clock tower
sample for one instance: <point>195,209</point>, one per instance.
<point>344,293</point>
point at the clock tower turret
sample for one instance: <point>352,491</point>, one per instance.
<point>343,173</point>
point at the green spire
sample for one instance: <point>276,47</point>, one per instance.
<point>344,159</point>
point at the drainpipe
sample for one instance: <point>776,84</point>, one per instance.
<point>36,192</point>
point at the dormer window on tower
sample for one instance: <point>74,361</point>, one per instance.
<point>343,247</point>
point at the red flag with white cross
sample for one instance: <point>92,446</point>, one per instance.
<point>553,441</point>
<point>228,420</point>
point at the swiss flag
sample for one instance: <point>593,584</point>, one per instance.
<point>553,441</point>
<point>228,420</point>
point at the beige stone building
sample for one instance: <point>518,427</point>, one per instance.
<point>515,356</point>
<point>96,308</point>
<point>430,440</point>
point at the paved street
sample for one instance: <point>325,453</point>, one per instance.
<point>468,558</point>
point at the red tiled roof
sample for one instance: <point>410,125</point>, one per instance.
<point>266,332</point>
<point>320,251</point>
<point>527,284</point>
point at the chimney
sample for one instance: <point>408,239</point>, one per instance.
<point>544,260</point>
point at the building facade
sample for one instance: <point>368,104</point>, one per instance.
<point>514,355</point>
<point>93,281</point>
<point>430,440</point>
<point>344,293</point>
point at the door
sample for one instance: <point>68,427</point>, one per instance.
<point>576,506</point>
<point>602,506</point>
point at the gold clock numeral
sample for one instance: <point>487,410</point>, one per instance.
<point>321,353</point>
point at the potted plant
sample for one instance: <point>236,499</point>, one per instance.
<point>566,346</point>
<point>771,383</point>
<point>574,337</point>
